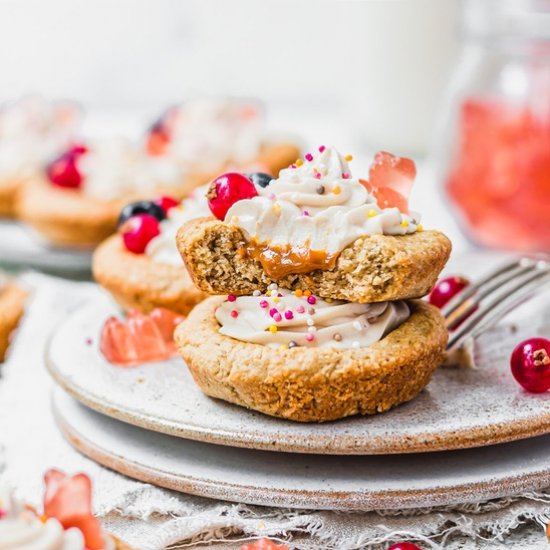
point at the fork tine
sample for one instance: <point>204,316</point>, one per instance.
<point>506,271</point>
<point>503,302</point>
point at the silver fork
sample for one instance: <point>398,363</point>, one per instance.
<point>482,304</point>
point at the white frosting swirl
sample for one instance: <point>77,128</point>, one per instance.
<point>317,204</point>
<point>321,324</point>
<point>115,168</point>
<point>163,247</point>
<point>32,132</point>
<point>22,529</point>
<point>207,134</point>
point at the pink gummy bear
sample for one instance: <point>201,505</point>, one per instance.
<point>69,500</point>
<point>141,339</point>
<point>390,180</point>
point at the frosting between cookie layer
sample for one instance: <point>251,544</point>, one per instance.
<point>286,319</point>
<point>317,204</point>
<point>163,247</point>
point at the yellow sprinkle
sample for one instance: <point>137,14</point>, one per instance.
<point>268,293</point>
<point>328,300</point>
<point>299,162</point>
<point>372,213</point>
<point>336,190</point>
<point>348,157</point>
<point>283,346</point>
<point>273,329</point>
<point>276,300</point>
<point>419,227</point>
<point>307,292</point>
<point>276,208</point>
<point>299,293</point>
<point>405,223</point>
<point>43,518</point>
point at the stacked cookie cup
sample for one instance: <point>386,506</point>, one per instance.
<point>312,345</point>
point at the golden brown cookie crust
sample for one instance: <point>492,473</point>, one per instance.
<point>372,269</point>
<point>8,196</point>
<point>136,281</point>
<point>309,384</point>
<point>12,306</point>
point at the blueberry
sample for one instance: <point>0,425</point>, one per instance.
<point>260,178</point>
<point>141,207</point>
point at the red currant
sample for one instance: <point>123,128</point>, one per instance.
<point>226,190</point>
<point>404,546</point>
<point>166,203</point>
<point>446,288</point>
<point>530,364</point>
<point>63,171</point>
<point>138,232</point>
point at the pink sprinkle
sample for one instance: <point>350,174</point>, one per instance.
<point>300,309</point>
<point>231,298</point>
<point>272,311</point>
<point>345,175</point>
<point>311,311</point>
<point>289,315</point>
<point>88,341</point>
<point>271,196</point>
<point>3,513</point>
<point>264,304</point>
<point>292,166</point>
<point>279,295</point>
<point>311,300</point>
<point>309,157</point>
<point>309,337</point>
<point>321,148</point>
<point>277,317</point>
<point>305,213</point>
<point>317,175</point>
<point>234,314</point>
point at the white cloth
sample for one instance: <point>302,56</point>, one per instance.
<point>150,518</point>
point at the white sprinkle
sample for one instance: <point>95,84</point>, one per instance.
<point>355,344</point>
<point>312,329</point>
<point>273,286</point>
<point>357,325</point>
<point>310,322</point>
<point>257,293</point>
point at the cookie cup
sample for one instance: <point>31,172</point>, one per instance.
<point>372,269</point>
<point>137,281</point>
<point>310,384</point>
<point>12,307</point>
<point>8,197</point>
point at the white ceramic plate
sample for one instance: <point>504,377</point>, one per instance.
<point>460,408</point>
<point>305,481</point>
<point>19,247</point>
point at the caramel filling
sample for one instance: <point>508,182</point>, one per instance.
<point>281,260</point>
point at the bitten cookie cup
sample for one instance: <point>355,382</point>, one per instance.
<point>12,307</point>
<point>308,384</point>
<point>137,281</point>
<point>372,269</point>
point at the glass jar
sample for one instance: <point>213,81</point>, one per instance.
<point>493,143</point>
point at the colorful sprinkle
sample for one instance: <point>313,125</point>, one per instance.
<point>419,227</point>
<point>355,344</point>
<point>283,346</point>
<point>264,304</point>
<point>329,300</point>
<point>299,293</point>
<point>289,315</point>
<point>345,175</point>
<point>348,158</point>
<point>300,309</point>
<point>257,293</point>
<point>273,286</point>
<point>317,175</point>
<point>309,157</point>
<point>307,292</point>
<point>277,317</point>
<point>305,213</point>
<point>272,196</point>
<point>336,190</point>
<point>293,166</point>
<point>276,300</point>
<point>272,329</point>
<point>234,313</point>
<point>272,311</point>
<point>88,341</point>
<point>276,208</point>
<point>372,213</point>
<point>338,337</point>
<point>292,344</point>
<point>231,298</point>
<point>311,311</point>
<point>299,162</point>
<point>320,190</point>
<point>312,329</point>
<point>357,325</point>
<point>310,322</point>
<point>311,300</point>
<point>405,223</point>
<point>321,148</point>
<point>310,337</point>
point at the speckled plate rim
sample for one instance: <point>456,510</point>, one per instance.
<point>344,444</point>
<point>320,499</point>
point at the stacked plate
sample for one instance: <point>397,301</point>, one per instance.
<point>471,435</point>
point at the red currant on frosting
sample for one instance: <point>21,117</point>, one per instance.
<point>166,203</point>
<point>404,546</point>
<point>530,364</point>
<point>63,171</point>
<point>445,289</point>
<point>226,190</point>
<point>139,231</point>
